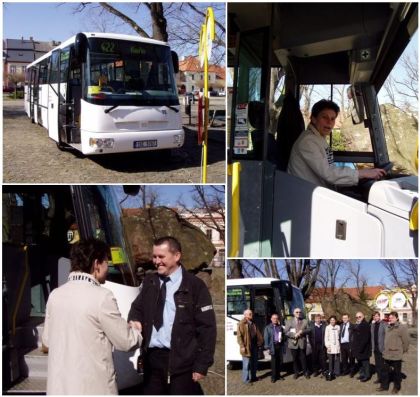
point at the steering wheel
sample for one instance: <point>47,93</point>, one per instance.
<point>365,184</point>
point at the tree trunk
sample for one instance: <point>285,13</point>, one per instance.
<point>159,22</point>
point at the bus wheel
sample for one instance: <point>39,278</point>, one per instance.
<point>230,366</point>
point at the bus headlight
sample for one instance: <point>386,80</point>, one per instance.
<point>107,143</point>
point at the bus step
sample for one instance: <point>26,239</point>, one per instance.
<point>37,363</point>
<point>30,385</point>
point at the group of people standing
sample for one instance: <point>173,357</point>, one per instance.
<point>337,349</point>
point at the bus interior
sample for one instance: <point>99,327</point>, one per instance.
<point>40,223</point>
<point>347,47</point>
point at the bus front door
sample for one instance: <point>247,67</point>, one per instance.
<point>64,103</point>
<point>53,80</point>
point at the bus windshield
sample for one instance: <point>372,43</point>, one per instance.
<point>120,72</point>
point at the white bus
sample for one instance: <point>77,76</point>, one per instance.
<point>106,93</point>
<point>264,296</point>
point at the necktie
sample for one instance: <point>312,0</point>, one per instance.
<point>158,319</point>
<point>344,330</point>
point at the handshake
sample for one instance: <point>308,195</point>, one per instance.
<point>135,325</point>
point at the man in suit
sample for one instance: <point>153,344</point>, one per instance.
<point>361,346</point>
<point>273,339</point>
<point>296,330</point>
<point>316,338</point>
<point>347,359</point>
<point>377,329</point>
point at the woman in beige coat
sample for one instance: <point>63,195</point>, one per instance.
<point>83,325</point>
<point>332,344</point>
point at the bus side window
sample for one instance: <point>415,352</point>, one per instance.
<point>54,68</point>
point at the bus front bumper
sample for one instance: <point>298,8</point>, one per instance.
<point>133,141</point>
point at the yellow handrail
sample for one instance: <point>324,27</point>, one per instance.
<point>234,170</point>
<point>21,290</point>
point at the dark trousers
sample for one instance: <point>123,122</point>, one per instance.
<point>379,363</point>
<point>334,364</point>
<point>276,361</point>
<point>157,380</point>
<point>389,365</point>
<point>319,361</point>
<point>364,368</point>
<point>299,354</point>
<point>347,359</point>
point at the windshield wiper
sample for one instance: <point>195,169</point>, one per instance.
<point>173,108</point>
<point>111,108</point>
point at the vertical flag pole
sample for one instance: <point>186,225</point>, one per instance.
<point>206,38</point>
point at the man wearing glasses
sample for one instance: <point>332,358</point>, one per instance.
<point>296,330</point>
<point>361,346</point>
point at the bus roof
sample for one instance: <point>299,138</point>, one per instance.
<point>115,36</point>
<point>251,281</point>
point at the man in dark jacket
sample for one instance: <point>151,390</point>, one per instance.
<point>361,346</point>
<point>176,313</point>
<point>273,340</point>
<point>396,343</point>
<point>347,358</point>
<point>377,329</point>
<point>316,338</point>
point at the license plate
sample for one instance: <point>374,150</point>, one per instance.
<point>145,144</point>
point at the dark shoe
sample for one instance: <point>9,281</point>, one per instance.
<point>307,376</point>
<point>273,380</point>
<point>395,391</point>
<point>295,376</point>
<point>352,374</point>
<point>364,379</point>
<point>359,377</point>
<point>380,388</point>
<point>281,378</point>
<point>316,373</point>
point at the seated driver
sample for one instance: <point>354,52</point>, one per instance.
<point>312,159</point>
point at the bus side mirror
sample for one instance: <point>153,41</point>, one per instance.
<point>80,47</point>
<point>131,190</point>
<point>285,289</point>
<point>354,94</point>
<point>175,61</point>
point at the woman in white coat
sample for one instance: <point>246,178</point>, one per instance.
<point>83,324</point>
<point>332,344</point>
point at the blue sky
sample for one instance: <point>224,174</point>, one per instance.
<point>371,269</point>
<point>58,21</point>
<point>168,195</point>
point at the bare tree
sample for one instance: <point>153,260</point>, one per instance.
<point>149,197</point>
<point>404,274</point>
<point>409,81</point>
<point>211,200</point>
<point>329,275</point>
<point>303,273</point>
<point>306,94</point>
<point>178,23</point>
<point>361,281</point>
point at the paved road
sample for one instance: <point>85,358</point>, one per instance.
<point>317,386</point>
<point>29,156</point>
